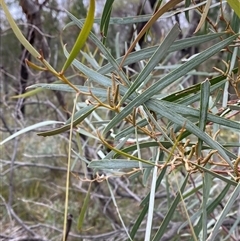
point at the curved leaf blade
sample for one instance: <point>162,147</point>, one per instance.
<point>106,19</point>
<point>235,5</point>
<point>205,93</point>
<point>179,120</point>
<point>17,31</point>
<point>154,60</point>
<point>29,128</point>
<point>226,210</point>
<point>82,37</point>
<point>167,80</point>
<point>78,117</point>
<point>116,164</point>
<point>167,218</point>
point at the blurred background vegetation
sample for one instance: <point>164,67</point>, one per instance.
<point>33,168</point>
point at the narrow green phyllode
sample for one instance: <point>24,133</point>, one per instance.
<point>82,37</point>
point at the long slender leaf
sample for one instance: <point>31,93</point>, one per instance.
<point>228,206</point>
<point>140,55</point>
<point>98,92</point>
<point>207,184</point>
<point>235,5</point>
<point>214,174</point>
<point>82,37</point>
<point>205,93</point>
<point>171,210</point>
<point>154,60</point>
<point>82,214</point>
<point>148,52</point>
<point>146,17</point>
<point>29,128</point>
<point>103,49</point>
<point>21,38</point>
<point>152,200</point>
<point>78,117</point>
<point>204,15</point>
<point>145,205</point>
<point>17,31</point>
<point>106,19</point>
<point>116,164</point>
<point>167,80</point>
<point>181,121</point>
<point>95,76</point>
<point>190,112</point>
<point>210,209</point>
<point>152,20</point>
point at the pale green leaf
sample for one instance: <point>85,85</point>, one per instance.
<point>235,5</point>
<point>30,128</point>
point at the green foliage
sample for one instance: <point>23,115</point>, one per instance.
<point>235,5</point>
<point>164,139</point>
<point>82,37</point>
